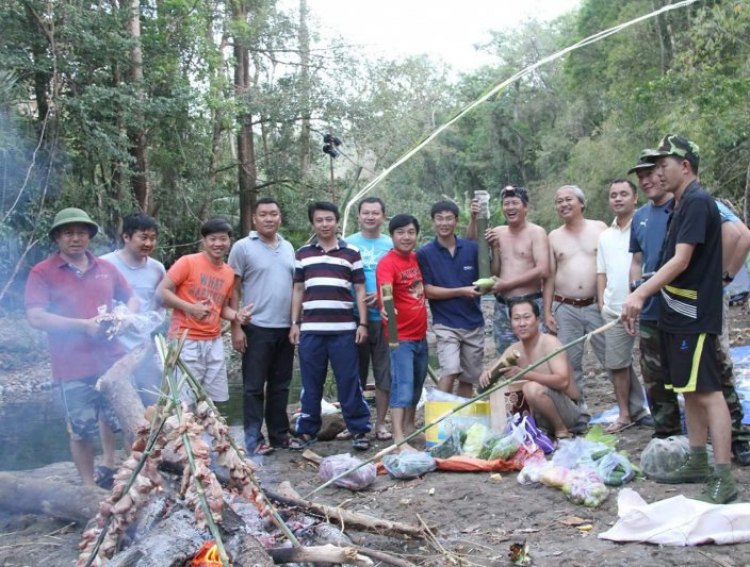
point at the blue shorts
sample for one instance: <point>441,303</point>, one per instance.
<point>408,372</point>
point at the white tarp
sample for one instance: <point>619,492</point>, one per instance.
<point>678,521</point>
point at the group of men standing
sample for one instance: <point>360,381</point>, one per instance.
<point>661,266</point>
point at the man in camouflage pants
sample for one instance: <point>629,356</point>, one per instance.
<point>647,236</point>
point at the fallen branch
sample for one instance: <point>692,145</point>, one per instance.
<point>387,558</point>
<point>319,554</point>
<point>352,520</point>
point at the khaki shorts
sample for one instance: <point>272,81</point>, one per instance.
<point>460,351</point>
<point>205,359</point>
<point>567,409</point>
<point>84,406</point>
<point>618,351</point>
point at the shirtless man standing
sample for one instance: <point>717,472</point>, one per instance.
<point>570,304</point>
<point>520,262</point>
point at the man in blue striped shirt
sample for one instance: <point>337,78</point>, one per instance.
<point>325,328</point>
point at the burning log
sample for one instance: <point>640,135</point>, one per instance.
<point>352,520</point>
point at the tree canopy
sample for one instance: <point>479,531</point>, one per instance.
<point>188,110</point>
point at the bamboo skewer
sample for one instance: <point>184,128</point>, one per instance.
<point>486,393</point>
<point>153,436</point>
<point>278,520</point>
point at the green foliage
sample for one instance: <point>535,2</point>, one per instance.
<point>581,120</point>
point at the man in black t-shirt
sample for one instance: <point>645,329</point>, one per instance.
<point>689,287</point>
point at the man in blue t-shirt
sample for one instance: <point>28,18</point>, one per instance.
<point>449,265</point>
<point>372,246</point>
<point>646,242</point>
<point>688,283</point>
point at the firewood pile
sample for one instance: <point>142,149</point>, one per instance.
<point>213,512</point>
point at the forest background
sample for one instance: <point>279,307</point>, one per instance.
<point>187,109</point>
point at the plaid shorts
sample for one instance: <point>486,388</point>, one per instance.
<point>84,405</point>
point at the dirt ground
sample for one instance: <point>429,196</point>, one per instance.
<point>475,518</point>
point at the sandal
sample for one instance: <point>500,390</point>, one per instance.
<point>283,444</point>
<point>302,442</point>
<point>619,426</point>
<point>360,442</point>
<point>345,435</point>
<point>104,477</point>
<point>383,435</point>
<point>263,448</point>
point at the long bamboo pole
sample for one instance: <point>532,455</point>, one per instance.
<point>468,402</point>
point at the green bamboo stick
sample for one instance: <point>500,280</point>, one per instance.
<point>468,402</point>
<point>153,436</point>
<point>278,520</point>
<point>213,528</point>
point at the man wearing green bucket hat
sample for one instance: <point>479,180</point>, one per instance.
<point>65,295</point>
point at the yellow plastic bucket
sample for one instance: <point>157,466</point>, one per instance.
<point>478,412</point>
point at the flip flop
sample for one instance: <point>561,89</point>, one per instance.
<point>263,449</point>
<point>345,435</point>
<point>383,435</point>
<point>619,426</point>
<point>302,442</point>
<point>360,442</point>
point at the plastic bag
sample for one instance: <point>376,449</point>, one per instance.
<point>532,470</point>
<point>597,435</point>
<point>572,453</point>
<point>584,487</point>
<point>449,447</point>
<point>409,464</point>
<point>555,476</point>
<point>533,437</point>
<point>662,455</point>
<point>614,469</point>
<point>334,465</point>
<point>475,436</point>
<point>505,447</point>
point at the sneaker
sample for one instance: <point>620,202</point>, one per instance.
<point>688,472</point>
<point>741,452</point>
<point>719,490</point>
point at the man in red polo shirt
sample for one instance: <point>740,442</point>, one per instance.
<point>64,296</point>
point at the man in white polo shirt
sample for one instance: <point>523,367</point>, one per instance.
<point>613,260</point>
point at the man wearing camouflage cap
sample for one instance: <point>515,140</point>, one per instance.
<point>65,294</point>
<point>690,293</point>
<point>647,238</point>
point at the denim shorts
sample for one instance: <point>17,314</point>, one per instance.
<point>408,372</point>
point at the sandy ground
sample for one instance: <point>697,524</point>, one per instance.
<point>475,518</point>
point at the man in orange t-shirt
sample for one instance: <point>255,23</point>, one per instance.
<point>198,287</point>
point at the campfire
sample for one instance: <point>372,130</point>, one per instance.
<point>187,486</point>
<point>207,556</point>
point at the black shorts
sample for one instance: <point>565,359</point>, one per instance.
<point>690,361</point>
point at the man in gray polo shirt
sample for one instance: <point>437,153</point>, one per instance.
<point>263,264</point>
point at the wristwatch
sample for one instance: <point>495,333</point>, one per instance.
<point>295,322</point>
<point>726,278</point>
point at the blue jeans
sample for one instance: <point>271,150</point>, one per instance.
<point>408,372</point>
<point>315,352</point>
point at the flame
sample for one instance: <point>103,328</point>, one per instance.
<point>207,556</point>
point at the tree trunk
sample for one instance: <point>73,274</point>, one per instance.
<point>320,554</point>
<point>245,144</point>
<point>138,134</point>
<point>304,89</point>
<point>117,388</point>
<point>50,490</point>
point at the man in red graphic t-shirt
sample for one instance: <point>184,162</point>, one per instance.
<point>409,360</point>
